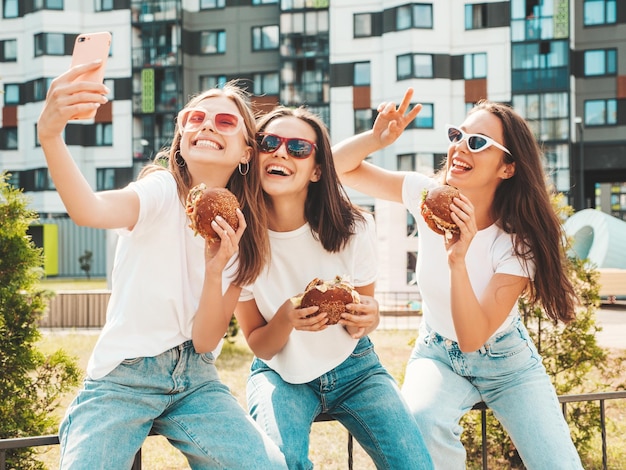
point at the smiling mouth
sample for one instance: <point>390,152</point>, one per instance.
<point>277,170</point>
<point>207,144</point>
<point>460,165</point>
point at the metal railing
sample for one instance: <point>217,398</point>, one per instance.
<point>602,397</point>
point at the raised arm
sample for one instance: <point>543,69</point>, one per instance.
<point>66,99</point>
<point>350,153</point>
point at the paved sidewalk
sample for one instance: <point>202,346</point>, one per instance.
<point>611,317</point>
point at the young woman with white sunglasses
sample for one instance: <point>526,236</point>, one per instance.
<point>144,372</point>
<point>303,366</point>
<point>472,345</point>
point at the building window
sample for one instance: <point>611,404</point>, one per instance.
<point>557,166</point>
<point>42,180</point>
<point>8,50</point>
<point>414,16</point>
<point>361,74</point>
<point>263,2</point>
<point>600,112</point>
<point>8,138</point>
<point>40,88</point>
<point>104,5</point>
<point>599,12</point>
<point>212,4</point>
<point>48,5</point>
<point>213,42</point>
<point>425,119</point>
<point>423,16</point>
<point>10,9</point>
<point>266,83</point>
<point>363,120</point>
<point>265,38</point>
<point>212,81</point>
<point>475,66</point>
<point>49,44</point>
<point>362,25</point>
<point>406,162</point>
<point>105,179</point>
<point>411,225</point>
<point>11,94</point>
<point>600,62</point>
<point>414,66</point>
<point>104,134</point>
<point>475,16</point>
<point>421,162</point>
<point>547,114</point>
<point>411,263</point>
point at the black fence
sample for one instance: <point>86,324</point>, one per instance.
<point>19,443</point>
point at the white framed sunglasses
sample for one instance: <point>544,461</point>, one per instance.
<point>475,142</point>
<point>194,119</point>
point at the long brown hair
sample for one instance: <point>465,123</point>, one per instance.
<point>254,244</point>
<point>327,208</point>
<point>522,206</point>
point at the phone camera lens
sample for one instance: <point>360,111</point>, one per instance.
<point>81,39</point>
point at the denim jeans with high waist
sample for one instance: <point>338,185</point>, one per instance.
<point>359,393</point>
<point>442,383</point>
<point>178,394</point>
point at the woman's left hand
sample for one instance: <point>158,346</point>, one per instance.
<point>362,318</point>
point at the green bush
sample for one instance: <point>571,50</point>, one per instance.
<point>31,383</point>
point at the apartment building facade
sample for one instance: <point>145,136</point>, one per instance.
<point>561,63</point>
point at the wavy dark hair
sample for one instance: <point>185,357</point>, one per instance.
<point>522,207</point>
<point>254,244</point>
<point>328,210</point>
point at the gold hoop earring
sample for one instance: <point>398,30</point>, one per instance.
<point>247,167</point>
<point>178,158</point>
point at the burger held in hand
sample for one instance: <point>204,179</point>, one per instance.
<point>330,296</point>
<point>204,204</point>
<point>436,210</point>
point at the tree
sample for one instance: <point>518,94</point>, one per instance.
<point>85,262</point>
<point>31,383</point>
<point>572,358</point>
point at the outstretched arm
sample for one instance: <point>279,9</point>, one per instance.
<point>66,99</point>
<point>350,153</point>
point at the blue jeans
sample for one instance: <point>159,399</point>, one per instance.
<point>442,384</point>
<point>359,393</point>
<point>179,394</point>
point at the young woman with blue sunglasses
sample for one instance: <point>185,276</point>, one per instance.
<point>472,345</point>
<point>304,367</point>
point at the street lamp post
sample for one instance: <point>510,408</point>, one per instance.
<point>581,160</point>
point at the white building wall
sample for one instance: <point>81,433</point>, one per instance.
<point>447,37</point>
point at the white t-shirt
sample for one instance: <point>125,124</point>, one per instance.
<point>156,281</point>
<point>297,258</point>
<point>490,252</point>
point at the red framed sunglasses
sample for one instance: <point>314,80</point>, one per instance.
<point>295,146</point>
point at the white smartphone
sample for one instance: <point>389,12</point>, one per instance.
<point>87,48</point>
